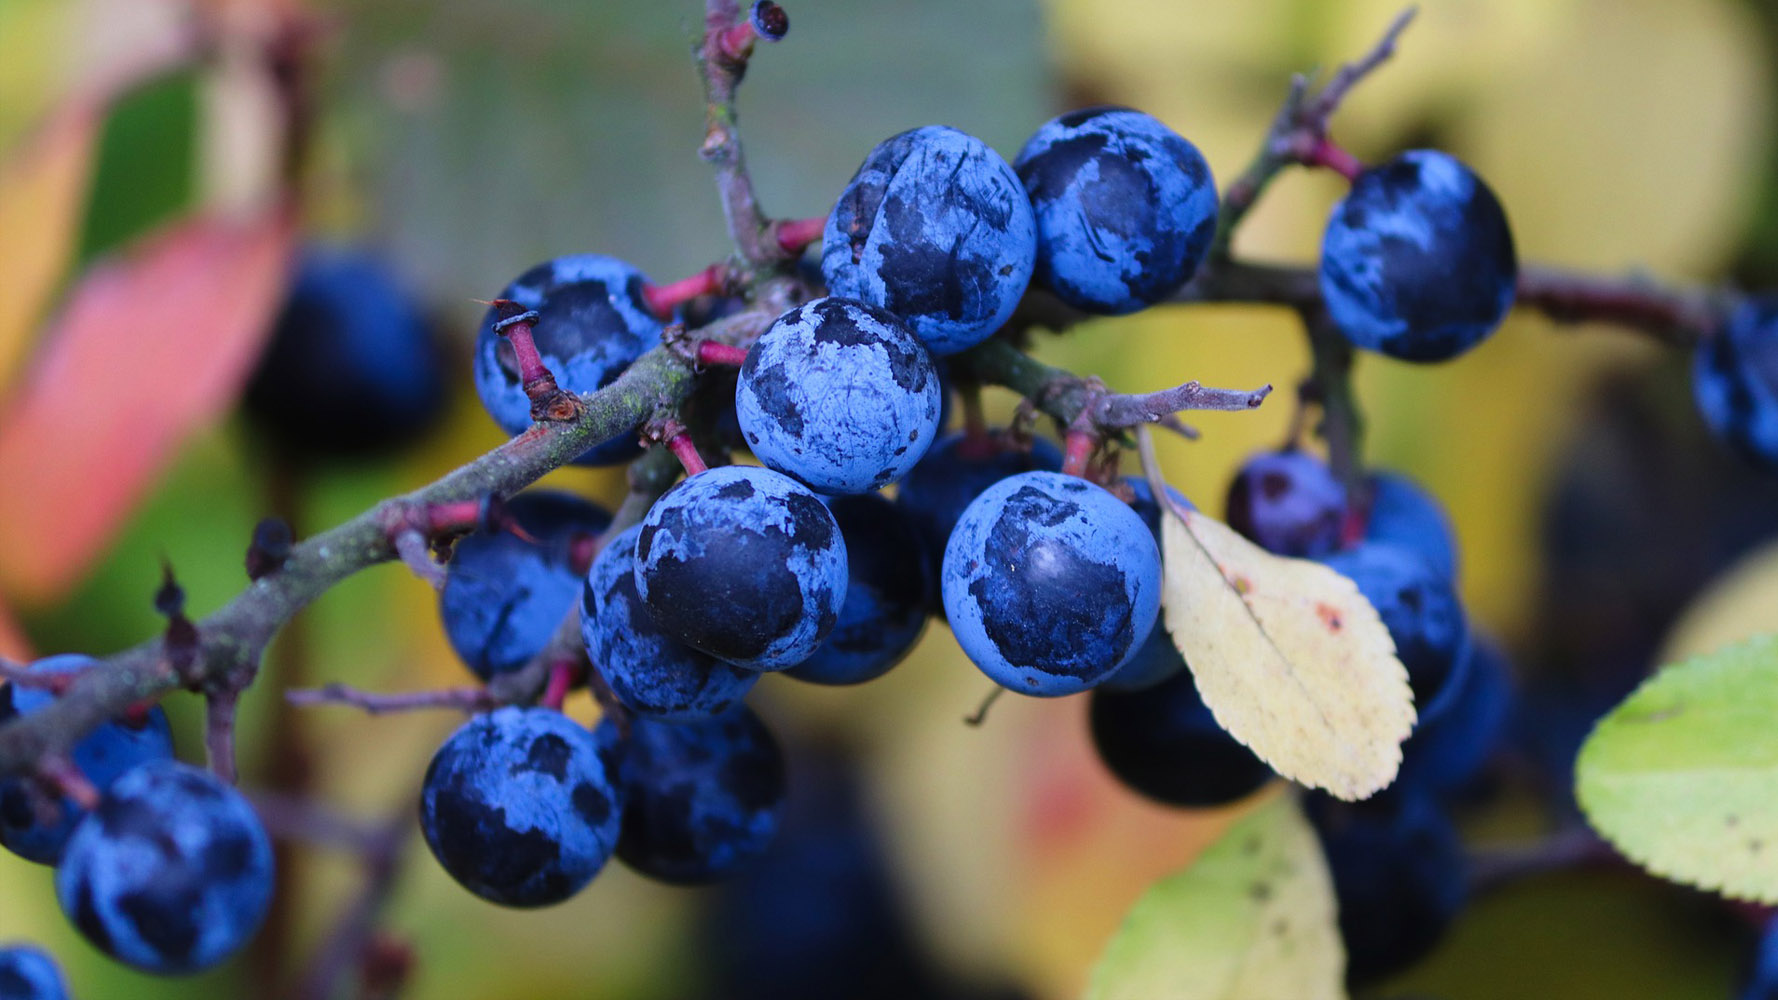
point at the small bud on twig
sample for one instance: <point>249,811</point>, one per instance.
<point>270,547</point>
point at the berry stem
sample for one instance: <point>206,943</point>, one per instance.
<point>456,517</point>
<point>980,715</point>
<point>461,699</point>
<point>561,681</point>
<point>683,449</point>
<point>220,702</point>
<point>715,354</point>
<point>1079,445</point>
<point>516,325</point>
<point>796,235</point>
<point>663,299</point>
<point>68,780</point>
<point>1329,154</point>
<point>736,41</point>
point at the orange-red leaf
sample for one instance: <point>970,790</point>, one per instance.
<point>42,189</point>
<point>151,346</point>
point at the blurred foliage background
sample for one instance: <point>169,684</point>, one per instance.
<point>469,139</point>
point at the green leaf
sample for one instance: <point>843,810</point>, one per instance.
<point>1252,919</point>
<point>1683,776</point>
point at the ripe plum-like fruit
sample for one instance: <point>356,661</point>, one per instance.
<point>107,752</point>
<point>1125,208</point>
<point>1164,743</point>
<point>1288,503</point>
<point>1735,381</point>
<point>889,592</point>
<point>701,798</point>
<point>171,873</point>
<point>1050,583</point>
<point>1421,611</point>
<point>1418,261</point>
<point>839,395</point>
<point>28,973</point>
<point>1403,513</point>
<point>936,228</point>
<point>956,469</point>
<point>652,673</point>
<point>593,321</point>
<point>521,806</point>
<point>1157,658</point>
<point>744,564</point>
<point>354,366</point>
<point>504,595</point>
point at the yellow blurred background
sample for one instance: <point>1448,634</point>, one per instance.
<point>469,139</point>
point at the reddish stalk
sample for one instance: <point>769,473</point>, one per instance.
<point>714,354</point>
<point>1079,445</point>
<point>795,235</point>
<point>1327,153</point>
<point>687,453</point>
<point>561,680</point>
<point>663,299</point>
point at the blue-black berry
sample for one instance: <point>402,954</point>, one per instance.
<point>171,873</point>
<point>1735,381</point>
<point>1421,611</point>
<point>652,673</point>
<point>1403,513</point>
<point>745,564</point>
<point>27,973</point>
<point>1418,260</point>
<point>955,471</point>
<point>1164,743</point>
<point>890,589</point>
<point>1125,208</point>
<point>521,806</point>
<point>102,756</point>
<point>504,595</point>
<point>936,228</point>
<point>593,321</point>
<point>840,395</point>
<point>1050,583</point>
<point>1288,503</point>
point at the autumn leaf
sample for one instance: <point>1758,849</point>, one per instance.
<point>152,345</point>
<point>42,192</point>
<point>1253,918</point>
<point>1289,657</point>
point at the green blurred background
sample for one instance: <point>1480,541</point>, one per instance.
<point>469,139</point>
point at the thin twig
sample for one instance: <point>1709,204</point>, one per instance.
<point>220,703</point>
<point>344,948</point>
<point>460,699</point>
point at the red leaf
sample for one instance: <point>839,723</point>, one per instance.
<point>152,346</point>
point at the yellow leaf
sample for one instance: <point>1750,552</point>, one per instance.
<point>42,189</point>
<point>1289,657</point>
<point>1739,605</point>
<point>1253,918</point>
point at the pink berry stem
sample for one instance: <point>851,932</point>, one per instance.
<point>714,354</point>
<point>663,299</point>
<point>561,679</point>
<point>687,453</point>
<point>1078,446</point>
<point>795,235</point>
<point>1327,153</point>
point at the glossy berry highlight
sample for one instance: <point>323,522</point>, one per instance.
<point>593,321</point>
<point>521,807</point>
<point>1125,208</point>
<point>934,227</point>
<point>744,564</point>
<point>1418,261</point>
<point>701,798</point>
<point>171,873</point>
<point>504,594</point>
<point>109,751</point>
<point>1050,583</point>
<point>889,590</point>
<point>1735,381</point>
<point>653,674</point>
<point>839,395</point>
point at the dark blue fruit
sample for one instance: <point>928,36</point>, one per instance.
<point>1735,381</point>
<point>171,873</point>
<point>593,321</point>
<point>889,589</point>
<point>1447,753</point>
<point>521,806</point>
<point>107,752</point>
<point>1762,980</point>
<point>27,973</point>
<point>1157,658</point>
<point>701,798</point>
<point>1398,873</point>
<point>1125,208</point>
<point>745,564</point>
<point>1050,583</point>
<point>503,595</point>
<point>936,228</point>
<point>1418,261</point>
<point>1404,514</point>
<point>653,674</point>
<point>1164,743</point>
<point>1288,503</point>
<point>353,366</point>
<point>955,471</point>
<point>839,395</point>
<point>1421,611</point>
